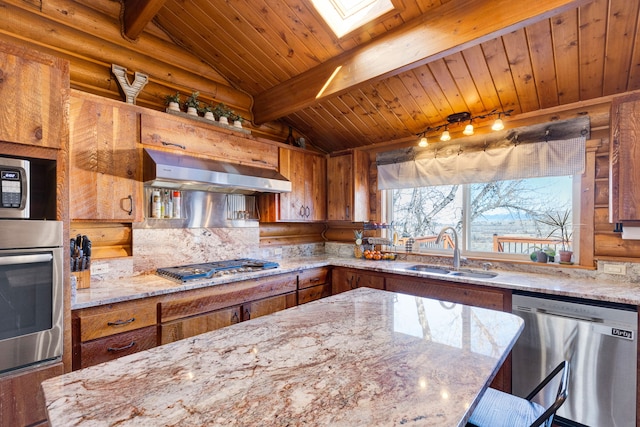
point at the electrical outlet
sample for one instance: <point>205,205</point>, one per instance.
<point>277,251</point>
<point>620,269</point>
<point>99,269</point>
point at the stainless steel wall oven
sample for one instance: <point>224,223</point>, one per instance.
<point>31,292</point>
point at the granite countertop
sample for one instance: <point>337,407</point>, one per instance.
<point>553,281</point>
<point>360,358</point>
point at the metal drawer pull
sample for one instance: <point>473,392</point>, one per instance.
<point>315,279</point>
<point>126,347</point>
<point>174,144</point>
<point>121,322</point>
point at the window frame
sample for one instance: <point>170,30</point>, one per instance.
<point>465,236</point>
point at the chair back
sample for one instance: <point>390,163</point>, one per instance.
<point>547,417</point>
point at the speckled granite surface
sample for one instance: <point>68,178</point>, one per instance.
<point>360,358</point>
<point>554,280</point>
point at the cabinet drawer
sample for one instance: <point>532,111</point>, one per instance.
<point>192,326</point>
<point>313,293</point>
<point>313,277</point>
<point>123,319</point>
<point>112,347</point>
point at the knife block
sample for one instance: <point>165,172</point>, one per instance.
<point>83,278</point>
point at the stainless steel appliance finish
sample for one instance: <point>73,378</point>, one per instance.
<point>601,345</point>
<point>31,292</point>
<point>183,172</point>
<point>14,188</point>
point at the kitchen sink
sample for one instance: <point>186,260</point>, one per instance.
<point>461,273</point>
<point>428,269</point>
<point>474,274</point>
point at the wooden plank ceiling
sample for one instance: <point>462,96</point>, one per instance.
<point>410,70</point>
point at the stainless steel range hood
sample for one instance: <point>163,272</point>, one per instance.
<point>183,172</point>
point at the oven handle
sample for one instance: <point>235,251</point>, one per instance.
<point>25,259</point>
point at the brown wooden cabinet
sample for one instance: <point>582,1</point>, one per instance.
<point>345,279</point>
<point>313,284</point>
<point>348,187</point>
<point>194,313</point>
<point>307,200</point>
<point>108,332</point>
<point>34,92</point>
<point>104,161</point>
<point>624,157</point>
<point>200,139</point>
<point>21,397</point>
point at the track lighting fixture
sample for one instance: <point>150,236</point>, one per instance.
<point>458,118</point>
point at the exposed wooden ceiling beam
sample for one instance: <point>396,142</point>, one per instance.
<point>137,14</point>
<point>445,30</point>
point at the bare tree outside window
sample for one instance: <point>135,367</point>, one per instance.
<point>503,212</point>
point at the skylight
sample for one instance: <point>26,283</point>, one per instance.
<point>344,16</point>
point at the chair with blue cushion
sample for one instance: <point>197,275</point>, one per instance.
<point>498,409</point>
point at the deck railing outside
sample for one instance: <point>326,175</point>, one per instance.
<point>523,245</point>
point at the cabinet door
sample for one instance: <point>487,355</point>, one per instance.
<point>266,306</point>
<point>348,187</point>
<point>34,90</point>
<point>473,295</point>
<point>105,162</point>
<point>315,187</point>
<point>22,398</point>
<point>345,279</point>
<point>192,326</point>
<point>292,167</point>
<point>624,156</point>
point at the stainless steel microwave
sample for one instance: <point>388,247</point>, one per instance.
<point>14,188</point>
<point>31,293</point>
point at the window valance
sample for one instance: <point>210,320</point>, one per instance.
<point>458,166</point>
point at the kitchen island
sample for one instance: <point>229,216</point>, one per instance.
<point>360,358</point>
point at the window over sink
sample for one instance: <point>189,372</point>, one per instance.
<point>501,219</point>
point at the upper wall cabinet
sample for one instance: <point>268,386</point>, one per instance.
<point>191,136</point>
<point>34,89</point>
<point>624,158</point>
<point>307,199</point>
<point>104,160</point>
<point>348,187</point>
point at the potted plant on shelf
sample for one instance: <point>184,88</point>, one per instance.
<point>192,104</point>
<point>560,223</point>
<point>207,112</point>
<point>237,120</point>
<point>173,102</point>
<point>222,112</point>
<point>542,255</point>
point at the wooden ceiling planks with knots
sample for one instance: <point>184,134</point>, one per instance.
<point>541,55</point>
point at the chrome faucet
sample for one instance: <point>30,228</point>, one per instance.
<point>456,249</point>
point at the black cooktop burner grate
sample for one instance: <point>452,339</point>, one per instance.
<point>206,270</point>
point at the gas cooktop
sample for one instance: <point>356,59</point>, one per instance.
<point>207,270</point>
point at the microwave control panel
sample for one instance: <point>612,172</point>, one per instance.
<point>14,188</point>
<point>11,187</point>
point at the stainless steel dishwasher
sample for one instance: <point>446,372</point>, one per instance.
<point>600,343</point>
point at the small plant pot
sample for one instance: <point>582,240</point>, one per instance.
<point>192,111</point>
<point>174,106</point>
<point>237,123</point>
<point>209,116</point>
<point>541,257</point>
<point>224,120</point>
<point>565,256</point>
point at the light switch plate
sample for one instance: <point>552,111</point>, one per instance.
<point>615,269</point>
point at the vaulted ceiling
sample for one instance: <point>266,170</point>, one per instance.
<point>409,71</point>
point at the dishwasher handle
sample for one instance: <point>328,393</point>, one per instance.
<point>570,316</point>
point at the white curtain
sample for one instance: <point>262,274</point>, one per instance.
<point>539,159</point>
